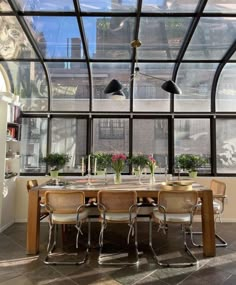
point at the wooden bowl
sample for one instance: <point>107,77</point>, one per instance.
<point>173,186</point>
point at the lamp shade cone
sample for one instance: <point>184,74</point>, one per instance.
<point>113,86</point>
<point>171,87</point>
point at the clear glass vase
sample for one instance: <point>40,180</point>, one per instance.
<point>117,178</point>
<point>152,179</point>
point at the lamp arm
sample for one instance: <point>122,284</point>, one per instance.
<point>147,75</point>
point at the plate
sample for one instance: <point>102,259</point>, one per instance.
<point>173,186</point>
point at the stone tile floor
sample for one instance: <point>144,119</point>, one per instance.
<point>17,268</point>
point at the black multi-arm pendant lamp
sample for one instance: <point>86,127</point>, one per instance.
<point>115,87</point>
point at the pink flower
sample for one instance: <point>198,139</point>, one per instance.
<point>118,161</point>
<point>151,163</point>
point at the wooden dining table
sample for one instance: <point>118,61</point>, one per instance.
<point>91,188</point>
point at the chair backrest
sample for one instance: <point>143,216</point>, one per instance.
<point>218,187</point>
<point>64,202</point>
<point>117,201</point>
<point>31,183</point>
<point>177,202</point>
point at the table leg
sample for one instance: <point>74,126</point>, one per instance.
<point>33,225</point>
<point>208,225</point>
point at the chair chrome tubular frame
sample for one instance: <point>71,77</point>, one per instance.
<point>53,238</point>
<point>222,242</point>
<point>163,227</point>
<point>132,223</point>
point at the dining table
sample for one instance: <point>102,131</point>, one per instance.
<point>92,184</point>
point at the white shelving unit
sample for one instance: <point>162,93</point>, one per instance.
<point>9,159</point>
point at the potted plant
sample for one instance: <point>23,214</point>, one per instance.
<point>190,162</point>
<point>103,162</point>
<point>138,161</point>
<point>56,161</point>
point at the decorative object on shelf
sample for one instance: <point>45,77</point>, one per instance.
<point>190,162</point>
<point>56,161</point>
<point>139,161</point>
<point>115,87</point>
<point>118,163</point>
<point>152,165</point>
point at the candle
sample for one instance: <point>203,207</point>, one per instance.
<point>89,163</point>
<point>95,166</point>
<point>82,166</point>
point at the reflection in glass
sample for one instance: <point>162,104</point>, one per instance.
<point>69,136</point>
<point>29,82</point>
<point>222,6</point>
<point>164,37</point>
<point>150,137</point>
<point>45,5</point>
<point>148,95</point>
<point>226,145</point>
<point>102,74</point>
<point>195,80</point>
<point>70,86</point>
<point>111,136</point>
<point>192,136</point>
<point>225,93</point>
<point>168,6</point>
<point>57,37</point>
<point>108,6</point>
<point>212,38</point>
<point>33,145</point>
<point>13,42</point>
<point>109,37</point>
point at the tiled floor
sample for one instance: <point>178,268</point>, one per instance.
<point>17,268</point>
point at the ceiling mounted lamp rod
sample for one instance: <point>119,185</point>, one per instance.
<point>115,87</point>
<point>168,85</point>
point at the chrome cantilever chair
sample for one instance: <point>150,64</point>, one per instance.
<point>174,207</point>
<point>34,183</point>
<point>66,208</point>
<point>219,195</point>
<point>117,206</point>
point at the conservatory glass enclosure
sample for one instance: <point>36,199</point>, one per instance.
<point>59,56</point>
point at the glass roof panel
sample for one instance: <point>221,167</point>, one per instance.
<point>222,6</point>
<point>195,81</point>
<point>226,89</point>
<point>109,37</point>
<point>233,56</point>
<point>13,42</point>
<point>168,6</point>
<point>103,73</point>
<point>70,86</point>
<point>212,38</point>
<point>162,37</point>
<point>148,95</point>
<point>108,5</point>
<point>45,5</point>
<point>4,6</point>
<point>29,81</point>
<point>57,37</point>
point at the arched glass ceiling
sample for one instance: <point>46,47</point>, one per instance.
<point>74,48</point>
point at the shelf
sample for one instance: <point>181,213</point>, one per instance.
<point>10,175</point>
<point>11,158</point>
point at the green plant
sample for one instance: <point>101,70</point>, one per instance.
<point>190,162</point>
<point>139,160</point>
<point>56,160</point>
<point>103,160</point>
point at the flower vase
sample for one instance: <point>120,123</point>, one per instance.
<point>117,178</point>
<point>152,179</point>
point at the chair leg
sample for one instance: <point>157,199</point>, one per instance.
<point>102,257</point>
<point>222,243</point>
<point>50,249</point>
<point>163,264</point>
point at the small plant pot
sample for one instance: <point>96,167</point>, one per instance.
<point>192,174</point>
<point>54,173</point>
